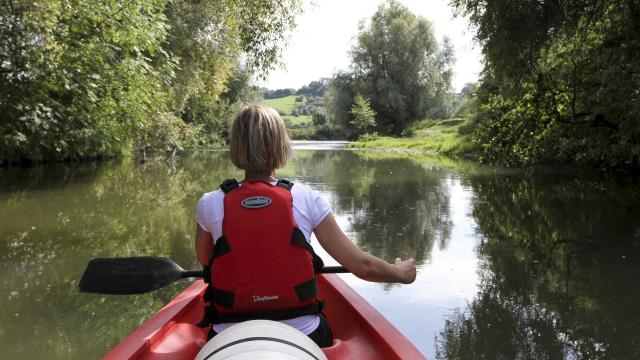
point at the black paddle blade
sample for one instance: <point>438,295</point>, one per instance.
<point>132,275</point>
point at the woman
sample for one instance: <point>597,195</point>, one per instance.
<point>253,237</point>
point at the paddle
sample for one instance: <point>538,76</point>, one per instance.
<point>137,275</point>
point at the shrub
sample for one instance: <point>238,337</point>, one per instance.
<point>369,137</point>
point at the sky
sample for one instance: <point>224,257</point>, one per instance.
<point>326,31</point>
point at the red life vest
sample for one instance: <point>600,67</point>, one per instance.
<point>262,266</point>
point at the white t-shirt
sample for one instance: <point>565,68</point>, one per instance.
<point>309,209</point>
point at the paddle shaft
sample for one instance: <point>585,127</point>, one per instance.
<point>325,270</point>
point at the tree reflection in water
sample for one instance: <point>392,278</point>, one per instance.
<point>56,218</point>
<point>396,207</point>
<point>561,259</point>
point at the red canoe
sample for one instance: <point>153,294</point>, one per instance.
<point>360,331</point>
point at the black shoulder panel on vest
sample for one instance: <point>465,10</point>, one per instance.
<point>297,238</point>
<point>284,183</point>
<point>228,185</point>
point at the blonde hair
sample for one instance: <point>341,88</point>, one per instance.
<point>258,139</point>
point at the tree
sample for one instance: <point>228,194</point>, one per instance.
<point>86,79</point>
<point>560,81</point>
<point>207,40</point>
<point>398,64</point>
<point>278,93</point>
<point>314,88</point>
<point>318,119</point>
<point>364,117</point>
<point>338,101</point>
<point>78,79</point>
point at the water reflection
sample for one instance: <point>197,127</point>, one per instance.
<point>56,218</point>
<point>560,263</point>
<point>545,263</point>
<point>395,207</point>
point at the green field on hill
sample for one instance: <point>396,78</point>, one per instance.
<point>285,106</point>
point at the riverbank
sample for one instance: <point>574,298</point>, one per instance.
<point>445,137</point>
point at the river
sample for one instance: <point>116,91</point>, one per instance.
<point>512,264</point>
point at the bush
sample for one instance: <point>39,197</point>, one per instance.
<point>369,137</point>
<point>408,132</point>
<point>319,119</point>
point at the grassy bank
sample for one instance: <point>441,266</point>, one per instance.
<point>438,137</point>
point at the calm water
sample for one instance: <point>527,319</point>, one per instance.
<point>512,264</point>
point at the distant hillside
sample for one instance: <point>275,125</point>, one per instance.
<point>314,88</point>
<point>304,117</point>
<point>296,111</point>
<point>284,105</point>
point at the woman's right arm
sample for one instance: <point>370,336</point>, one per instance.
<point>361,264</point>
<point>204,245</point>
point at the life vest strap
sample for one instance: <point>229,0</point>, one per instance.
<point>298,238</point>
<point>285,183</point>
<point>229,185</point>
<point>220,248</point>
<point>221,297</point>
<point>307,290</point>
<point>232,184</point>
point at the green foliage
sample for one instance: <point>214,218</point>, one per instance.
<point>329,132</point>
<point>319,119</point>
<point>560,83</point>
<point>440,137</point>
<point>366,137</point>
<point>313,126</point>
<point>468,104</point>
<point>314,88</point>
<point>299,114</point>
<point>284,105</point>
<point>338,101</point>
<point>276,94</point>
<point>364,117</point>
<point>302,133</point>
<point>78,79</point>
<point>399,65</point>
<point>85,78</point>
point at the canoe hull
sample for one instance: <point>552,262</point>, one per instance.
<point>360,331</point>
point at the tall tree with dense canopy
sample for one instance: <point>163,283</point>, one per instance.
<point>398,64</point>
